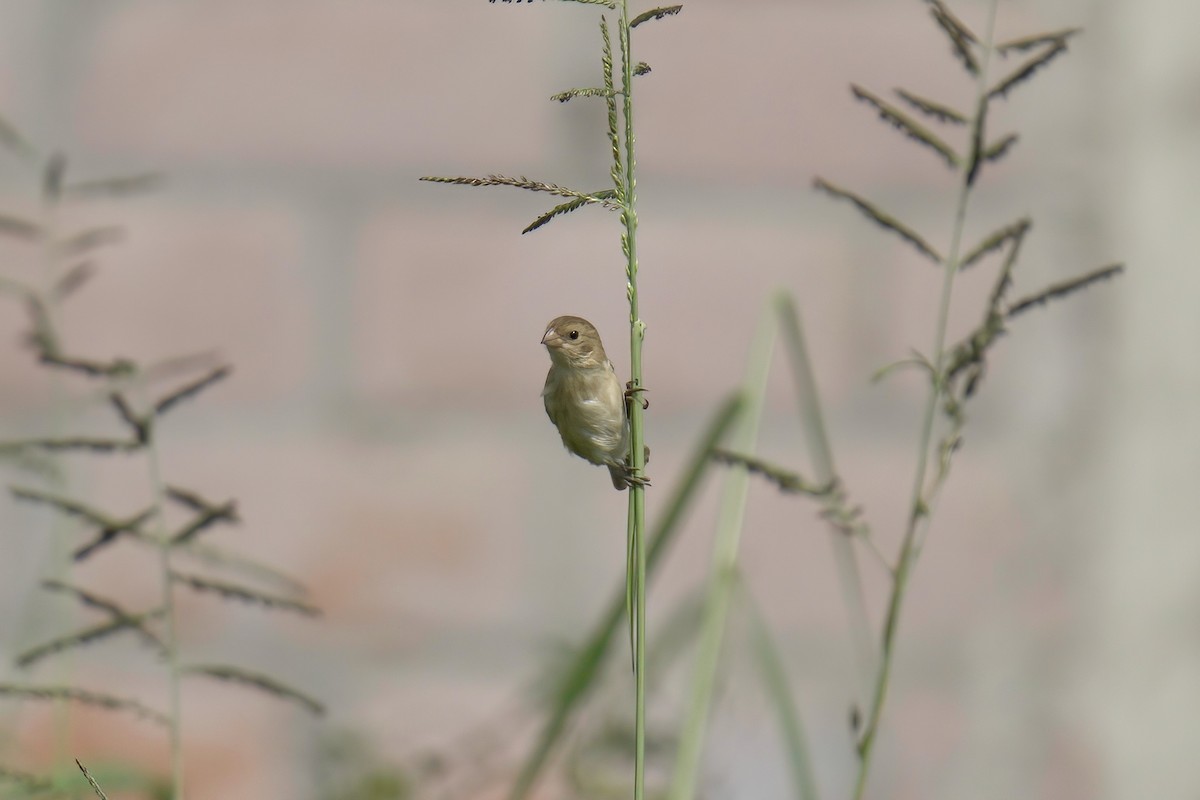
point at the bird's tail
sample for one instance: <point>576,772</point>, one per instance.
<point>618,473</point>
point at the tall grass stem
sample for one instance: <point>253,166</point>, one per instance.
<point>170,633</point>
<point>918,511</point>
<point>637,332</point>
<point>821,454</point>
<point>723,571</point>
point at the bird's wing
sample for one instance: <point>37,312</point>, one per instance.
<point>547,390</point>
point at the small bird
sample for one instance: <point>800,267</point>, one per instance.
<point>584,398</point>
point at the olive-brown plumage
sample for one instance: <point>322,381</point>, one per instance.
<point>584,398</point>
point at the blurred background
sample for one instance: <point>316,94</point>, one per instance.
<point>385,441</point>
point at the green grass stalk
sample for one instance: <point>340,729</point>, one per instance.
<point>783,702</point>
<point>582,674</point>
<point>723,573</point>
<point>91,781</point>
<point>170,634</point>
<point>60,558</point>
<point>637,334</point>
<point>918,510</point>
<point>821,454</point>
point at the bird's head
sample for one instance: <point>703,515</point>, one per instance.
<point>574,342</point>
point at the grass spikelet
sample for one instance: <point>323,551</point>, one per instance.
<point>880,218</point>
<point>616,170</point>
<point>219,558</point>
<point>999,148</point>
<point>90,635</point>
<point>785,480</point>
<point>1065,288</point>
<point>91,781</point>
<point>190,499</point>
<point>565,208</point>
<point>63,504</point>
<point>83,443</point>
<point>917,360</point>
<point>948,20</point>
<point>140,426</point>
<point>118,367</point>
<point>96,699</point>
<point>243,594</point>
<point>109,534</point>
<point>969,355</point>
<point>961,37</point>
<point>110,528</point>
<point>212,515</point>
<point>255,680</point>
<point>1004,279</point>
<point>996,240</point>
<point>1027,69</point>
<point>524,183</point>
<point>1025,43</point>
<point>940,112</point>
<point>978,127</point>
<point>906,125</point>
<point>653,14</point>
<point>191,390</point>
<point>172,366</point>
<point>85,597</point>
<point>133,621</point>
<point>571,94</point>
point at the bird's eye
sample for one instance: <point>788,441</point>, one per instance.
<point>574,334</point>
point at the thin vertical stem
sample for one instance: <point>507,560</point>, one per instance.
<point>821,453</point>
<point>170,637</point>
<point>637,456</point>
<point>723,572</point>
<point>46,333</point>
<point>918,510</point>
<point>779,693</point>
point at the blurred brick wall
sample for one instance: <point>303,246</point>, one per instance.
<point>383,432</point>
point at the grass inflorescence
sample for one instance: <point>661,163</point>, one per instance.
<point>131,392</point>
<point>954,370</point>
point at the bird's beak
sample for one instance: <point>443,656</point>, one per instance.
<point>549,337</point>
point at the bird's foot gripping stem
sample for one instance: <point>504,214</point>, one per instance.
<point>631,392</point>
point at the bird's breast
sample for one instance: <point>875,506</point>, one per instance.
<point>588,408</point>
